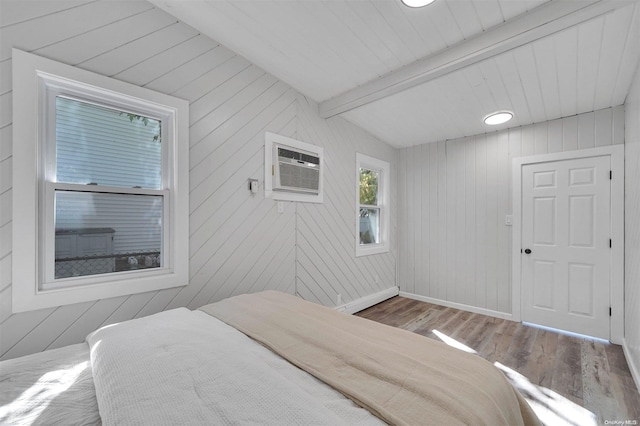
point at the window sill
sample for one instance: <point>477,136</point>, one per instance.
<point>32,298</point>
<point>373,249</point>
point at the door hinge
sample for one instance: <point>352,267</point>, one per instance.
<point>609,242</point>
<point>273,170</point>
<point>609,310</point>
<point>610,174</point>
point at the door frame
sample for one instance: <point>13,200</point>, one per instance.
<point>616,288</point>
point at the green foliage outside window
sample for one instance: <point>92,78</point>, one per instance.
<point>145,121</point>
<point>369,197</point>
<point>368,187</point>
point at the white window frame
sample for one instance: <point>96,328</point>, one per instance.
<point>384,186</point>
<point>36,83</point>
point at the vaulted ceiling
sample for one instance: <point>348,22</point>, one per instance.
<point>411,76</point>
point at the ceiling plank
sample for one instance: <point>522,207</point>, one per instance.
<point>567,68</point>
<point>589,46</point>
<point>496,85</point>
<point>490,14</point>
<point>545,59</point>
<point>526,64</point>
<point>614,37</point>
<point>627,67</point>
<point>398,21</point>
<point>511,9</point>
<point>510,76</point>
<point>554,16</point>
<point>466,18</point>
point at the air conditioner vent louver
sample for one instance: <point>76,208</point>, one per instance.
<point>287,153</point>
<point>294,176</point>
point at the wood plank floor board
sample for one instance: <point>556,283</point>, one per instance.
<point>454,322</point>
<point>627,387</point>
<point>482,332</point>
<point>598,388</point>
<point>469,327</point>
<point>543,355</point>
<point>567,379</point>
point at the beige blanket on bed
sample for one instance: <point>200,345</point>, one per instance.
<point>401,377</point>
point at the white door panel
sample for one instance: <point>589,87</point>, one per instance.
<point>566,226</point>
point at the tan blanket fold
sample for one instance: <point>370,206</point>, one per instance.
<point>401,377</point>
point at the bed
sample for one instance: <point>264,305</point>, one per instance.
<point>264,358</point>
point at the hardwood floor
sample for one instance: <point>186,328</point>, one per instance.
<point>568,380</point>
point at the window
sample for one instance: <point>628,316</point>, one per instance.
<point>372,200</point>
<point>101,191</point>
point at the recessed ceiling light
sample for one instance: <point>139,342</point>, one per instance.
<point>498,117</point>
<point>417,3</point>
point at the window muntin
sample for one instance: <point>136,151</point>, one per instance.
<point>372,202</point>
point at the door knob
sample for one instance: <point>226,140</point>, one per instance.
<point>527,251</point>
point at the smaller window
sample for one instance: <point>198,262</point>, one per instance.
<point>372,218</point>
<point>369,208</point>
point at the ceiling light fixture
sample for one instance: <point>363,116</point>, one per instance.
<point>417,3</point>
<point>498,117</point>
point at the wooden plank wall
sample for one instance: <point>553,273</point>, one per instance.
<point>238,242</point>
<point>632,228</point>
<point>453,199</point>
<point>326,264</point>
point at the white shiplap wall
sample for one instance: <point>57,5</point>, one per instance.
<point>632,227</point>
<point>453,199</point>
<point>326,264</point>
<point>238,242</point>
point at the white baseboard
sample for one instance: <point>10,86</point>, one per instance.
<point>633,366</point>
<point>460,306</point>
<point>367,301</point>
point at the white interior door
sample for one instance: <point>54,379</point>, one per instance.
<point>566,210</point>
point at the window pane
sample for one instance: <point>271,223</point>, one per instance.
<point>369,226</point>
<point>103,233</point>
<point>368,187</point>
<point>105,146</point>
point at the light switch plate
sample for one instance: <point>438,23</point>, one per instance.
<point>253,186</point>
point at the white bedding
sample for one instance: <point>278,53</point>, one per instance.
<point>54,387</point>
<point>234,380</point>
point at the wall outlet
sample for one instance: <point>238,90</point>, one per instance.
<point>280,206</point>
<point>339,299</point>
<point>508,220</point>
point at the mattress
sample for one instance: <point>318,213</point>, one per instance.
<point>53,387</point>
<point>56,387</point>
<point>267,358</point>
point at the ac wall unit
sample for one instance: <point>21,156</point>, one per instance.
<point>293,169</point>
